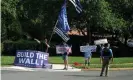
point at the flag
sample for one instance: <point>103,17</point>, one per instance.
<point>62,26</point>
<point>77,5</point>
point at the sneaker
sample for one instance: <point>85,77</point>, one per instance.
<point>65,69</point>
<point>101,75</point>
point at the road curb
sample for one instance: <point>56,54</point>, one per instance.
<point>112,69</point>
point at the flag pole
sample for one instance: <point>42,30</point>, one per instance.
<point>52,35</point>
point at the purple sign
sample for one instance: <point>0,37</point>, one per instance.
<point>31,58</point>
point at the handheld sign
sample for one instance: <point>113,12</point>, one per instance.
<point>62,49</point>
<point>100,41</point>
<point>30,58</point>
<point>87,48</point>
<point>92,48</point>
<point>84,48</point>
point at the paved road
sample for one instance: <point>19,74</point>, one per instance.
<point>45,75</point>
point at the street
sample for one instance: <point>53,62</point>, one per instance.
<point>83,75</point>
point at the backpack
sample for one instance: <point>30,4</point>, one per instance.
<point>106,52</point>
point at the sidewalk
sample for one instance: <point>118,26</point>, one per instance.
<point>55,67</point>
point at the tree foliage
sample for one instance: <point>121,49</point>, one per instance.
<point>38,17</point>
<point>10,25</point>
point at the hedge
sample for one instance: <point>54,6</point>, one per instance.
<point>10,47</point>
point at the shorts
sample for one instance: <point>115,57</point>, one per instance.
<point>87,56</point>
<point>64,56</point>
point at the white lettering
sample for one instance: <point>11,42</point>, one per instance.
<point>27,54</point>
<point>41,62</point>
<point>31,55</point>
<point>22,54</point>
<point>18,54</point>
<point>32,61</point>
<point>37,55</point>
<point>22,60</point>
<point>41,56</point>
<point>45,57</point>
<point>27,61</point>
<point>36,62</point>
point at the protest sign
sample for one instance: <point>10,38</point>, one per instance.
<point>30,58</point>
<point>62,49</point>
<point>87,48</point>
<point>100,41</point>
<point>84,48</point>
<point>92,48</point>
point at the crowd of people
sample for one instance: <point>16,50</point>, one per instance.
<point>106,55</point>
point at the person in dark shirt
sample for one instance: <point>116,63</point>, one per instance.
<point>106,57</point>
<point>43,45</point>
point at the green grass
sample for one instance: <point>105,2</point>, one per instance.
<point>7,60</point>
<point>125,65</point>
<point>93,60</point>
<point>123,62</point>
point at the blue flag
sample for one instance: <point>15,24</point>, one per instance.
<point>77,5</point>
<point>62,25</point>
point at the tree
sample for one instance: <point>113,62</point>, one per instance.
<point>99,17</point>
<point>38,17</point>
<point>10,26</point>
<point>124,8</point>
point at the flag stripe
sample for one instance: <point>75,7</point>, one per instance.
<point>77,5</point>
<point>61,34</point>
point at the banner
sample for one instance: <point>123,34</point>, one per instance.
<point>100,41</point>
<point>92,48</point>
<point>30,58</point>
<point>84,48</point>
<point>87,48</point>
<point>62,50</point>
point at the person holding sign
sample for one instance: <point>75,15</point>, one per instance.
<point>106,57</point>
<point>65,55</point>
<point>87,56</point>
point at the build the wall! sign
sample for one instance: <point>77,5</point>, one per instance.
<point>31,58</point>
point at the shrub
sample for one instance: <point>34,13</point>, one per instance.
<point>10,47</point>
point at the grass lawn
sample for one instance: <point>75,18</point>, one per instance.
<point>122,62</point>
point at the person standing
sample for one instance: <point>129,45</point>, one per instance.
<point>43,46</point>
<point>65,55</point>
<point>106,58</point>
<point>87,56</point>
<point>99,49</point>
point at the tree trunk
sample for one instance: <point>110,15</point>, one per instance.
<point>89,36</point>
